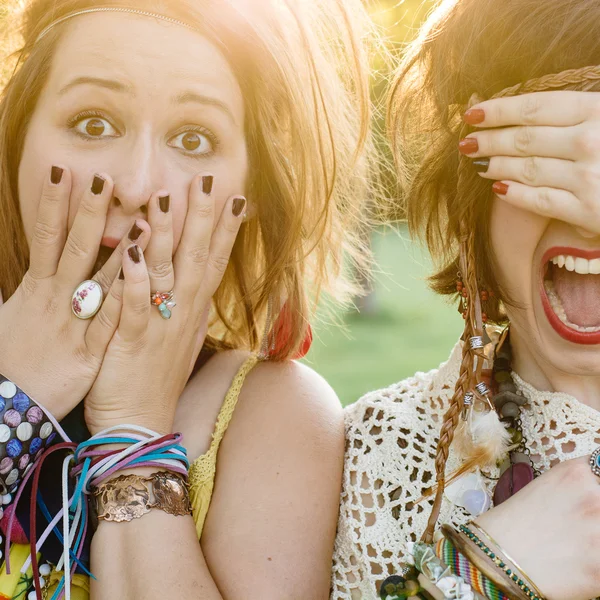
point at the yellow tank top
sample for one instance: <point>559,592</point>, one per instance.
<point>202,481</point>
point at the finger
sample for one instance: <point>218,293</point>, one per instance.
<point>193,251</point>
<point>552,142</point>
<point>221,246</point>
<point>532,171</point>
<point>159,255</point>
<point>557,109</point>
<point>200,338</point>
<point>105,323</point>
<point>85,237</point>
<point>50,229</point>
<point>547,202</point>
<point>135,313</point>
<point>140,234</point>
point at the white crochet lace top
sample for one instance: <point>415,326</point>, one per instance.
<point>390,452</point>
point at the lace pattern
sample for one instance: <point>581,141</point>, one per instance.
<point>391,438</point>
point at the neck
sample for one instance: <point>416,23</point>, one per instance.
<point>546,377</point>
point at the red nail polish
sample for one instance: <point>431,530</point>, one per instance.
<point>468,146</point>
<point>474,116</point>
<point>500,188</point>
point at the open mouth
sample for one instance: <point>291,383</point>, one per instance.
<point>571,293</point>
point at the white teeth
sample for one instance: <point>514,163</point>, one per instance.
<point>582,266</point>
<point>578,264</point>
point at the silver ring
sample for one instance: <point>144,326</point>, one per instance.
<point>165,303</point>
<point>87,299</point>
<point>595,462</point>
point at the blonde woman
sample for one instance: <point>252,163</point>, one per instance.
<point>486,458</point>
<point>201,164</point>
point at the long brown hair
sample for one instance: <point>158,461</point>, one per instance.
<point>303,68</point>
<point>468,51</point>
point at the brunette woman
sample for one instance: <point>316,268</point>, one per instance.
<point>198,165</point>
<point>495,108</point>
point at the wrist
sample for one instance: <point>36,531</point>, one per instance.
<point>162,425</point>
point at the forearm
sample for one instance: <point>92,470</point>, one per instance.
<point>157,556</point>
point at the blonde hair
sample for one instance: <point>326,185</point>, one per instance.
<point>303,69</point>
<point>468,51</point>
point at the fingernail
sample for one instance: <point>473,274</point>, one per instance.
<point>481,165</point>
<point>97,185</point>
<point>238,206</point>
<point>468,146</point>
<point>207,184</point>
<point>474,116</point>
<point>56,175</point>
<point>164,202</point>
<point>500,188</point>
<point>134,254</point>
<point>121,274</point>
<point>135,232</point>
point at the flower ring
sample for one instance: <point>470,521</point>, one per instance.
<point>87,299</point>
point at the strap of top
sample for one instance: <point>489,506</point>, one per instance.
<point>230,402</point>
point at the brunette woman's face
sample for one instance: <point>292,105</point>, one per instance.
<point>149,103</point>
<point>551,271</point>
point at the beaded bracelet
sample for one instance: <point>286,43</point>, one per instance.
<point>462,567</point>
<point>26,430</point>
<point>517,577</point>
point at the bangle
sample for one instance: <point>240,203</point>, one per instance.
<point>516,575</point>
<point>476,557</point>
<point>484,534</point>
<point>26,429</point>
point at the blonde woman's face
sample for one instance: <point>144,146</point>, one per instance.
<point>149,103</point>
<point>556,313</point>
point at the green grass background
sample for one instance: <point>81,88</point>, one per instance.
<point>413,329</point>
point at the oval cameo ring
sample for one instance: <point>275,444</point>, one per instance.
<point>595,462</point>
<point>87,299</point>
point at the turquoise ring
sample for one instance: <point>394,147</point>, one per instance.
<point>165,303</point>
<point>595,462</point>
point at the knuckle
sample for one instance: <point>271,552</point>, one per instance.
<point>161,269</point>
<point>530,107</point>
<point>102,278</point>
<point>116,294</point>
<point>530,170</point>
<point>162,227</point>
<point>29,285</point>
<point>587,142</point>
<point>46,234</point>
<point>140,307</point>
<point>540,201</point>
<point>76,248</point>
<point>105,320</point>
<point>88,209</point>
<point>219,263</point>
<point>589,175</point>
<point>199,255</point>
<point>204,211</point>
<point>523,139</point>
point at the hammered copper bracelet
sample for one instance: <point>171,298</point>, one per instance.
<point>129,497</point>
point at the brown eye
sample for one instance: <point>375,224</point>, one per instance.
<point>191,141</point>
<point>95,127</point>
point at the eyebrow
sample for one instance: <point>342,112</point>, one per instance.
<point>190,96</point>
<point>108,84</point>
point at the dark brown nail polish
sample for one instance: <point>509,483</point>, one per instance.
<point>481,165</point>
<point>97,185</point>
<point>164,202</point>
<point>135,232</point>
<point>134,254</point>
<point>238,206</point>
<point>474,116</point>
<point>56,175</point>
<point>468,146</point>
<point>121,274</point>
<point>207,184</point>
<point>500,188</point>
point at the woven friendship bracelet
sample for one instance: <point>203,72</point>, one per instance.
<point>461,566</point>
<point>499,562</point>
<point>26,429</point>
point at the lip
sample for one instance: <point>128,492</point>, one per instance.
<point>110,242</point>
<point>576,337</point>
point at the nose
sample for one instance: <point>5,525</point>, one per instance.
<point>137,176</point>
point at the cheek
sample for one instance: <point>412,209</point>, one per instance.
<point>515,235</point>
